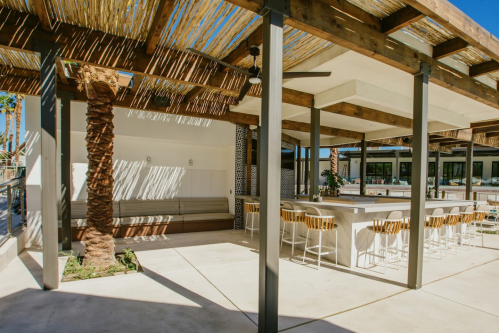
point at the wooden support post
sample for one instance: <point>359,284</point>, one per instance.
<point>270,173</point>
<point>298,170</point>
<point>419,176</point>
<point>469,169</point>
<point>307,172</point>
<point>437,173</point>
<point>363,165</point>
<point>315,119</point>
<point>66,168</point>
<point>48,53</point>
<point>249,149</point>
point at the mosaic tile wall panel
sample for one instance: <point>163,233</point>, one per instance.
<point>287,176</point>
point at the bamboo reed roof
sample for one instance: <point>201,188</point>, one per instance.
<point>215,27</point>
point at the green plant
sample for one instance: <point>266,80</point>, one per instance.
<point>129,259</point>
<point>334,181</point>
<point>73,264</point>
<point>490,232</point>
<point>116,268</point>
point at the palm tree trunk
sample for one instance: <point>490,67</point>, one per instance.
<point>7,130</point>
<point>333,160</point>
<point>19,111</point>
<point>101,87</point>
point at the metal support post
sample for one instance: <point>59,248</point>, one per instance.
<point>270,173</point>
<point>315,123</point>
<point>298,170</point>
<point>419,176</point>
<point>363,165</point>
<point>306,176</point>
<point>66,168</point>
<point>469,169</point>
<point>9,209</point>
<point>21,198</point>
<point>48,53</point>
<point>437,173</point>
<point>258,160</point>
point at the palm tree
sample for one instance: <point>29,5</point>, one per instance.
<point>7,107</point>
<point>101,86</point>
<point>18,113</point>
<point>333,160</point>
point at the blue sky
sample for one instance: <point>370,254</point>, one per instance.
<point>2,124</point>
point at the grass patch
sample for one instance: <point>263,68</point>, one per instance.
<point>490,232</point>
<point>75,270</point>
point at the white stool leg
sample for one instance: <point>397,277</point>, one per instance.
<point>246,225</point>
<point>320,247</point>
<point>367,249</point>
<point>283,232</point>
<point>336,246</point>
<point>306,243</point>
<point>386,252</point>
<point>398,261</point>
<point>252,224</point>
<point>293,241</point>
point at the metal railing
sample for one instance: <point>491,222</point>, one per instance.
<point>14,188</point>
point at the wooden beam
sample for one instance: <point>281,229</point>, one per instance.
<point>82,45</point>
<point>43,14</point>
<point>305,127</point>
<point>486,129</point>
<point>400,19</point>
<point>484,68</point>
<point>193,94</point>
<point>289,139</point>
<point>449,48</point>
<point>144,102</point>
<point>483,140</point>
<point>460,134</point>
<point>61,70</point>
<point>492,134</point>
<point>398,142</point>
<point>324,21</point>
<point>137,80</point>
<point>459,24</point>
<point>242,50</point>
<point>163,13</point>
<point>356,12</point>
<point>486,123</point>
<point>361,112</point>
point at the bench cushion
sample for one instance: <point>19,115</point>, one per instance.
<point>82,223</point>
<point>133,208</point>
<point>79,209</point>
<point>207,217</point>
<point>204,205</point>
<point>136,220</point>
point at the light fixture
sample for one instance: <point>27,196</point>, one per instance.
<point>191,162</point>
<point>148,159</point>
<point>253,127</point>
<point>254,80</point>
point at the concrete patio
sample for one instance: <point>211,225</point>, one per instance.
<point>208,282</point>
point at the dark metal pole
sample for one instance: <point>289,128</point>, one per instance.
<point>469,170</point>
<point>270,173</point>
<point>306,176</point>
<point>315,122</point>
<point>419,176</point>
<point>298,171</point>
<point>48,52</point>
<point>249,149</point>
<point>363,165</point>
<point>66,168</point>
<point>258,160</point>
<point>437,173</point>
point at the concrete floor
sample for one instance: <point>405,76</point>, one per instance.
<point>208,282</point>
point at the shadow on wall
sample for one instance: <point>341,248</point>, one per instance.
<point>169,118</point>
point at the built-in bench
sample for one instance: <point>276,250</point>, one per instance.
<point>156,217</point>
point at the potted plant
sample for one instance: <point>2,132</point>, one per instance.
<point>318,197</point>
<point>334,181</point>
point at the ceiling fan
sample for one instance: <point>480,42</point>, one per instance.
<point>253,74</point>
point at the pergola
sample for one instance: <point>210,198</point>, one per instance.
<point>44,42</point>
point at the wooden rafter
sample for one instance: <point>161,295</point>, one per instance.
<point>400,19</point>
<point>43,14</point>
<point>460,134</point>
<point>163,13</point>
<point>356,12</point>
<point>486,129</point>
<point>449,48</point>
<point>324,130</point>
<point>484,68</point>
<point>486,123</point>
<point>322,20</point>
<point>361,112</point>
<point>193,94</point>
<point>137,80</point>
<point>288,138</point>
<point>61,70</point>
<point>242,50</point>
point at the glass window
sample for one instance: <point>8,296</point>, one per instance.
<point>495,174</point>
<point>406,171</point>
<point>455,173</point>
<point>379,173</point>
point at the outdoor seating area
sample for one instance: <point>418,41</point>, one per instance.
<point>156,217</point>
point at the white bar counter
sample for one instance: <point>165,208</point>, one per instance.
<point>353,214</point>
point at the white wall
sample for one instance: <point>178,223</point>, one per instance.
<point>169,140</point>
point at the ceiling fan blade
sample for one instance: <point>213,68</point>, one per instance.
<point>297,75</point>
<point>244,90</point>
<point>223,63</point>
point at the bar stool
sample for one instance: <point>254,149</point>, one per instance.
<point>389,226</point>
<point>405,231</point>
<point>450,223</point>
<point>466,219</point>
<point>480,217</point>
<point>317,222</point>
<point>433,223</point>
<point>251,208</point>
<point>292,216</point>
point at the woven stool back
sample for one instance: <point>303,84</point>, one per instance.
<point>315,220</point>
<point>292,216</point>
<point>252,207</point>
<point>453,217</point>
<point>387,227</point>
<point>468,215</point>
